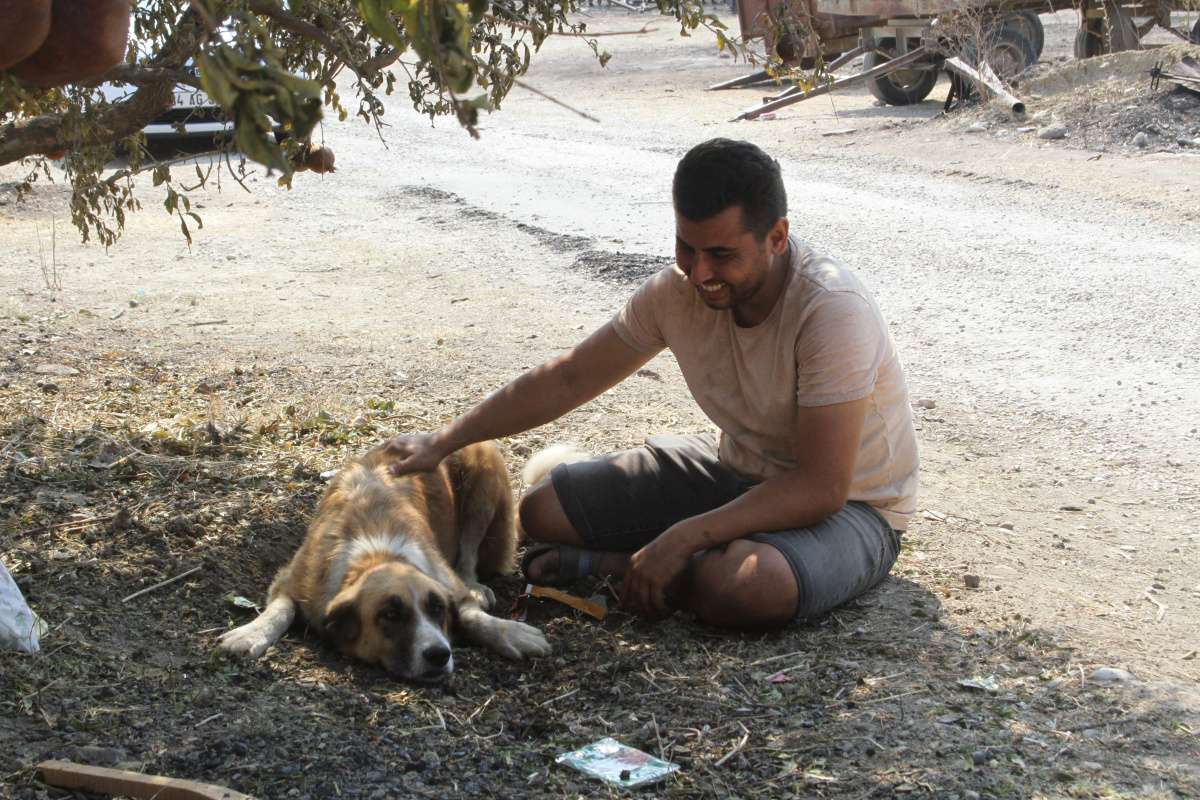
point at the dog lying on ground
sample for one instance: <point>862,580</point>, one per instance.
<point>373,574</point>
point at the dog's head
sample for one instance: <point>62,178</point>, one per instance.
<point>397,617</point>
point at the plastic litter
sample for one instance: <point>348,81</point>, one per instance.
<point>20,628</point>
<point>617,764</point>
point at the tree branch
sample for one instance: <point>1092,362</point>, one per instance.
<point>138,75</point>
<point>302,27</point>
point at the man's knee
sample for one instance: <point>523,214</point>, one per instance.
<point>745,585</point>
<point>542,516</point>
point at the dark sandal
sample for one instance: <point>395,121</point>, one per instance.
<point>573,563</point>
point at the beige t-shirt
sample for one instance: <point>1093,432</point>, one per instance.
<point>824,342</point>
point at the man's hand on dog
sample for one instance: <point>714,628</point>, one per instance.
<point>654,573</point>
<point>415,452</point>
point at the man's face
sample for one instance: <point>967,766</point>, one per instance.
<point>723,258</point>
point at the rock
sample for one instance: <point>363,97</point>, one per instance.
<point>98,756</point>
<point>48,387</point>
<point>1111,675</point>
<point>1090,766</point>
<point>58,370</point>
<point>1005,526</point>
<point>979,758</point>
<point>978,127</point>
<point>1142,139</point>
<point>968,794</point>
<point>1052,132</point>
<point>926,403</point>
<point>971,581</point>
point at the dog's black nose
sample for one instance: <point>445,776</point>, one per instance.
<point>437,655</point>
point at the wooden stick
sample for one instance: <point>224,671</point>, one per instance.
<point>69,775</point>
<point>161,584</point>
<point>578,603</point>
<point>736,748</point>
<point>72,524</point>
<point>762,661</point>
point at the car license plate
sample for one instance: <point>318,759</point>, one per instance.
<point>192,99</point>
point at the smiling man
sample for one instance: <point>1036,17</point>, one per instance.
<point>799,504</point>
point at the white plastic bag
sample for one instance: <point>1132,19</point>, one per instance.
<point>20,628</point>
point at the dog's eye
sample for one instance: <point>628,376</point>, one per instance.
<point>435,606</point>
<point>394,611</point>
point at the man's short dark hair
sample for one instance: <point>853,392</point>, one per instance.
<point>720,173</point>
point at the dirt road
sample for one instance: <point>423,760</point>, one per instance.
<point>1044,303</point>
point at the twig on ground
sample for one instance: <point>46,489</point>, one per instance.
<point>1162,608</point>
<point>207,322</point>
<point>562,696</point>
<point>737,748</point>
<point>161,584</point>
<point>762,661</point>
<point>78,523</point>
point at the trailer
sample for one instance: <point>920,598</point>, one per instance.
<point>905,44</point>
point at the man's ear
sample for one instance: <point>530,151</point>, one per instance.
<point>342,624</point>
<point>777,237</point>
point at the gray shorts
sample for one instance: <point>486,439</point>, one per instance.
<point>623,501</point>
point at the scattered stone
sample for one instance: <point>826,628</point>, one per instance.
<point>97,756</point>
<point>988,684</point>
<point>134,304</point>
<point>971,581</point>
<point>978,127</point>
<point>926,403</point>
<point>979,758</point>
<point>48,387</point>
<point>57,370</point>
<point>1005,526</point>
<point>1111,675</point>
<point>969,794</point>
<point>1090,766</point>
<point>1052,132</point>
<point>1141,139</point>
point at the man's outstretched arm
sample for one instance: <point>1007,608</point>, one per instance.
<point>541,395</point>
<point>826,443</point>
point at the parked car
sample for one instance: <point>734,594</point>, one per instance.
<point>193,113</point>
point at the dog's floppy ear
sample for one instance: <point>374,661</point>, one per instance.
<point>342,624</point>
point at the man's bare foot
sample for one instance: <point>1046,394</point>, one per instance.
<point>544,567</point>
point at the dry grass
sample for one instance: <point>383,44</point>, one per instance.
<point>140,470</point>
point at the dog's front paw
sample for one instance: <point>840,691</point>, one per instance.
<point>519,640</point>
<point>249,640</point>
<point>483,595</point>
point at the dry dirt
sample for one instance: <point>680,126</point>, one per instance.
<point>1044,302</point>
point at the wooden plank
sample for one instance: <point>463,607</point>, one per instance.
<point>69,775</point>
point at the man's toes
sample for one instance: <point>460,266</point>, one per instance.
<point>543,567</point>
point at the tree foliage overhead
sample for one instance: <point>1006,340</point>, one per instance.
<point>276,63</point>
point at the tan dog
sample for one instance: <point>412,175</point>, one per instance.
<point>373,574</point>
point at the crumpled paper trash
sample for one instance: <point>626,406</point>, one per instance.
<point>20,628</point>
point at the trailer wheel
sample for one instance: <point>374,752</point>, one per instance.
<point>902,87</point>
<point>1112,33</point>
<point>1008,51</point>
<point>1031,25</point>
